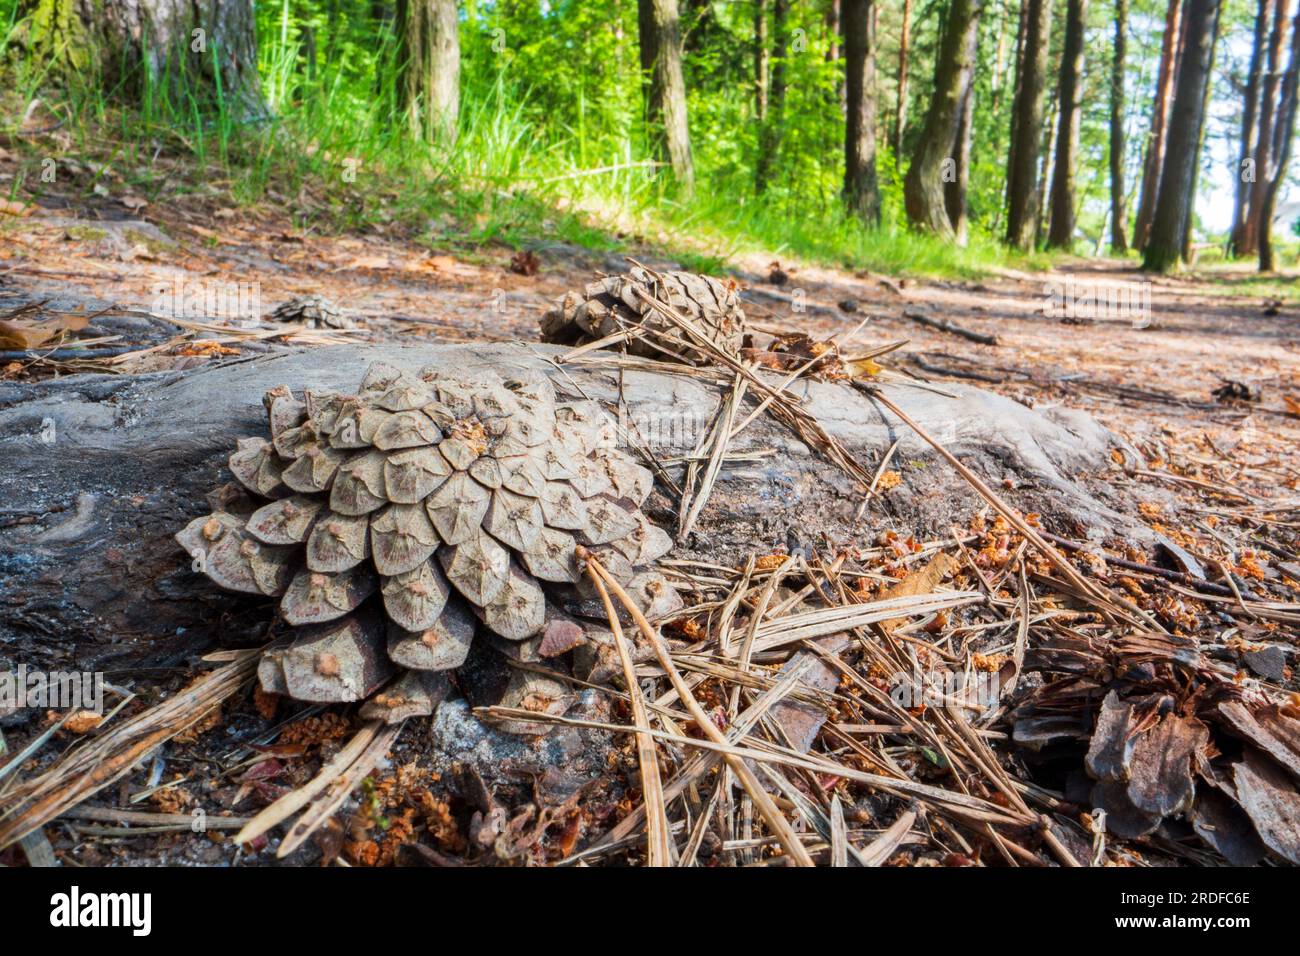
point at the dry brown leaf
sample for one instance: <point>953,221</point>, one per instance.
<point>921,581</point>
<point>31,335</point>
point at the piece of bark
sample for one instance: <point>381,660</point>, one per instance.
<point>1122,818</point>
<point>1160,781</point>
<point>1223,825</point>
<point>1270,799</point>
<point>1111,749</point>
<point>1268,728</point>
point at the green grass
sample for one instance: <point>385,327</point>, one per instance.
<point>335,153</point>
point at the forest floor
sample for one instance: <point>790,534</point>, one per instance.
<point>1201,378</point>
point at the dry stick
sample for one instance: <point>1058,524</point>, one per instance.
<point>762,406</point>
<point>952,328</point>
<point>329,802</point>
<point>658,838</point>
<point>1106,603</point>
<point>702,825</point>
<point>784,686</point>
<point>295,800</point>
<point>882,847</point>
<point>722,435</point>
<point>956,803</point>
<point>35,845</point>
<point>1180,576</point>
<point>805,426</point>
<point>779,825</point>
<point>84,771</point>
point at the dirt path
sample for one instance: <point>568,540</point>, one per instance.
<point>1144,355</point>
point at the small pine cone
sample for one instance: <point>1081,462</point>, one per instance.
<point>616,303</point>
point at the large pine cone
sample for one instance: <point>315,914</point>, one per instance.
<point>393,523</point>
<point>611,304</point>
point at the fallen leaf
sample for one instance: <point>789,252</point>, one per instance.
<point>31,335</point>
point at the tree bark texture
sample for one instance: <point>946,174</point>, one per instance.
<point>1164,246</point>
<point>429,86</point>
<point>1155,152</point>
<point>934,161</point>
<point>1027,127</point>
<point>771,132</point>
<point>1269,118</point>
<point>661,64</point>
<point>1240,242</point>
<point>202,49</point>
<point>900,109</point>
<point>1283,145</point>
<point>861,190</point>
<point>1118,214</point>
<point>1060,233</point>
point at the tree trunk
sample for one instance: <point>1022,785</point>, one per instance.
<point>1240,244</point>
<point>1060,233</point>
<point>1200,145</point>
<point>661,64</point>
<point>1155,152</point>
<point>760,60</point>
<point>900,109</point>
<point>954,190</point>
<point>1269,117</point>
<point>1286,135</point>
<point>429,75</point>
<point>1173,203</point>
<point>1118,217</point>
<point>861,191</point>
<point>1027,127</point>
<point>1049,149</point>
<point>933,163</point>
<point>204,49</point>
<point>771,132</point>
<point>999,62</point>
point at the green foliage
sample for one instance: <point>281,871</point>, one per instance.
<point>552,141</point>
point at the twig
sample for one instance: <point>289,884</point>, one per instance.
<point>762,801</point>
<point>658,838</point>
<point>952,328</point>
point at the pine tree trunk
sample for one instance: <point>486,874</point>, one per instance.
<point>1239,244</point>
<point>1269,118</point>
<point>661,63</point>
<point>954,190</point>
<point>1155,152</point>
<point>429,78</point>
<point>1200,146</point>
<point>934,163</point>
<point>760,60</point>
<point>1060,232</point>
<point>205,49</point>
<point>1173,203</point>
<point>771,132</point>
<point>1027,127</point>
<point>1118,217</point>
<point>861,191</point>
<point>1045,164</point>
<point>900,109</point>
<point>1285,138</point>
